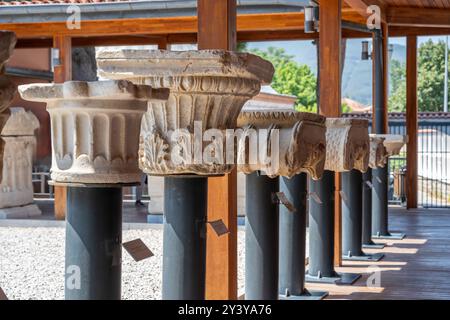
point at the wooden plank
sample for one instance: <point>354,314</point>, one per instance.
<point>62,73</point>
<point>163,26</point>
<point>360,6</point>
<point>330,90</point>
<point>423,17</point>
<point>411,122</point>
<point>221,257</point>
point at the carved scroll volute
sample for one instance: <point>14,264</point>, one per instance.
<point>95,128</point>
<point>208,89</point>
<point>347,145</point>
<point>378,154</point>
<point>300,140</point>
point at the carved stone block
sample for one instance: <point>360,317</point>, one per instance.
<point>7,88</point>
<point>18,145</point>
<point>300,139</point>
<point>393,143</point>
<point>207,91</point>
<point>347,144</point>
<point>378,154</point>
<point>95,128</point>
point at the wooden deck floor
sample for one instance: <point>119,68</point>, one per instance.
<point>417,267</point>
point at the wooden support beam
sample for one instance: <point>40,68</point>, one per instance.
<point>269,22</point>
<point>330,90</point>
<point>221,257</point>
<point>385,31</point>
<point>361,6</point>
<point>418,17</point>
<point>62,73</point>
<point>411,122</point>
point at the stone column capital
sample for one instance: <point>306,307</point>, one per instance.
<point>300,139</point>
<point>393,143</point>
<point>95,128</point>
<point>347,144</point>
<point>208,89</point>
<point>378,154</point>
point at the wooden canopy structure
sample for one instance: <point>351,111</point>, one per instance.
<point>168,22</point>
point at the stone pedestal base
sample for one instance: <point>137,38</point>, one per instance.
<point>27,211</point>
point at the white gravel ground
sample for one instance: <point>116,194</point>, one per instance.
<point>32,263</point>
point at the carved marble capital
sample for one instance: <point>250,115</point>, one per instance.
<point>393,143</point>
<point>209,86</point>
<point>7,88</point>
<point>378,154</point>
<point>347,144</point>
<point>300,139</point>
<point>95,128</point>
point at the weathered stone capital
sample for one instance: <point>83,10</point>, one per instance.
<point>347,144</point>
<point>207,87</point>
<point>7,88</point>
<point>378,154</point>
<point>95,128</point>
<point>20,123</point>
<point>281,143</point>
<point>393,143</point>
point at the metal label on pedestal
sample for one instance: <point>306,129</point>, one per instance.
<point>137,250</point>
<point>219,227</point>
<point>284,201</point>
<point>3,295</point>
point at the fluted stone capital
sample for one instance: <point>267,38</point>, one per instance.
<point>347,144</point>
<point>95,128</point>
<point>378,154</point>
<point>300,137</point>
<point>208,87</point>
<point>393,143</point>
<point>7,88</point>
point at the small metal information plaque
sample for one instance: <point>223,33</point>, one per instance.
<point>315,197</point>
<point>3,295</point>
<point>137,250</point>
<point>219,227</point>
<point>285,201</point>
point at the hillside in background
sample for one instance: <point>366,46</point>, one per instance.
<point>357,77</point>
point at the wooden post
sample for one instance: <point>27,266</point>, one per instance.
<point>411,121</point>
<point>217,30</point>
<point>385,31</point>
<point>62,73</point>
<point>330,91</point>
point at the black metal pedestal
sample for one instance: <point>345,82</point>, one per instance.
<point>367,213</point>
<point>321,233</point>
<point>184,241</point>
<point>380,206</point>
<point>261,238</point>
<point>93,243</point>
<point>293,242</point>
<point>352,190</point>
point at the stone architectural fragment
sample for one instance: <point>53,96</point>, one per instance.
<point>95,128</point>
<point>300,137</point>
<point>393,143</point>
<point>7,88</point>
<point>378,154</point>
<point>347,144</point>
<point>207,91</point>
<point>19,145</point>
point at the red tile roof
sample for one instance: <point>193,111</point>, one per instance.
<point>42,2</point>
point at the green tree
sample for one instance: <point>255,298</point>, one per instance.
<point>430,79</point>
<point>291,78</point>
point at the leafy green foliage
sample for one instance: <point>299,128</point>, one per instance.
<point>292,78</point>
<point>431,75</point>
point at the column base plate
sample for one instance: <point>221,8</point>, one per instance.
<point>390,236</point>
<point>307,295</point>
<point>364,257</point>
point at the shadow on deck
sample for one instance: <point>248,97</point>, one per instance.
<point>417,267</point>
